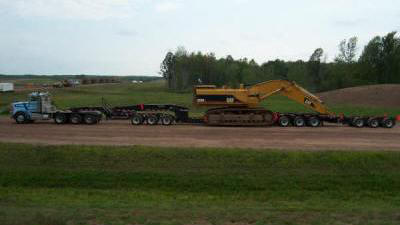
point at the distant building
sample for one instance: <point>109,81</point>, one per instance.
<point>4,87</point>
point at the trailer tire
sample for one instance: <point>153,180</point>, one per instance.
<point>284,121</point>
<point>167,120</point>
<point>373,123</point>
<point>21,118</point>
<point>358,122</point>
<point>90,119</point>
<point>152,120</point>
<point>75,119</point>
<point>299,121</point>
<point>137,119</point>
<point>314,121</point>
<point>60,118</point>
<point>388,123</point>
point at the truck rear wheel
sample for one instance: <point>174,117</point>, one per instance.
<point>388,123</point>
<point>137,119</point>
<point>89,119</point>
<point>21,118</point>
<point>299,121</point>
<point>152,120</point>
<point>373,123</point>
<point>284,121</point>
<point>314,121</point>
<point>167,120</point>
<point>60,118</point>
<point>358,122</point>
<point>75,119</point>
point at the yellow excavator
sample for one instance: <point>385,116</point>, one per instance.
<point>239,107</point>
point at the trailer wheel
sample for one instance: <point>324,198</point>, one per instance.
<point>299,121</point>
<point>152,120</point>
<point>136,119</point>
<point>90,119</point>
<point>358,122</point>
<point>75,119</point>
<point>373,123</point>
<point>21,118</point>
<point>314,121</point>
<point>388,123</point>
<point>167,120</point>
<point>284,121</point>
<point>60,118</point>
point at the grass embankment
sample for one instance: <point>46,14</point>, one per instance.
<point>145,185</point>
<point>156,93</point>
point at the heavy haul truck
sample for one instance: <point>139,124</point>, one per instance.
<point>229,107</point>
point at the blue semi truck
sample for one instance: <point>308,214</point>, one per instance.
<point>39,107</point>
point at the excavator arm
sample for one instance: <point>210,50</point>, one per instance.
<point>210,95</point>
<point>289,89</point>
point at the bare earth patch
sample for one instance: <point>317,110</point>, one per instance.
<point>384,95</point>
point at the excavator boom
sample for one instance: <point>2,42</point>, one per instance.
<point>291,90</point>
<point>209,95</point>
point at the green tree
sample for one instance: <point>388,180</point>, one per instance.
<point>314,68</point>
<point>380,59</point>
<point>347,51</point>
<point>167,69</point>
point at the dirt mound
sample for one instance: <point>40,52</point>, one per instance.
<point>384,95</point>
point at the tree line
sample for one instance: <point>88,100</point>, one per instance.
<point>378,63</point>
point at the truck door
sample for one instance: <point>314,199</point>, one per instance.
<point>34,105</point>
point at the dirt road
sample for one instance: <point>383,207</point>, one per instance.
<point>330,137</point>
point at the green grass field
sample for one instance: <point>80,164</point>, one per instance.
<point>155,92</point>
<point>68,185</point>
<point>146,185</point>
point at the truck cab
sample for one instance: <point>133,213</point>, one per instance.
<point>38,106</point>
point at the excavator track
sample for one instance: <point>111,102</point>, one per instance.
<point>239,117</point>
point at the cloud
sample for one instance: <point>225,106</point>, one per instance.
<point>349,23</point>
<point>71,9</point>
<point>128,33</point>
<point>167,6</point>
<point>241,1</point>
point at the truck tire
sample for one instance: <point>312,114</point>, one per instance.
<point>314,121</point>
<point>299,121</point>
<point>284,121</point>
<point>21,118</point>
<point>75,119</point>
<point>90,119</point>
<point>388,123</point>
<point>60,118</point>
<point>137,119</point>
<point>373,123</point>
<point>358,122</point>
<point>152,120</point>
<point>167,120</point>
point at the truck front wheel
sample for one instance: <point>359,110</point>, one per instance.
<point>21,118</point>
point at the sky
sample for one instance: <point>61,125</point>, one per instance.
<point>132,37</point>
